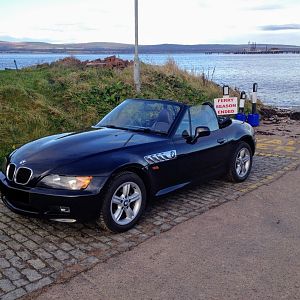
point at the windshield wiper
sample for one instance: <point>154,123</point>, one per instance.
<point>133,128</point>
<point>143,129</point>
<point>115,127</point>
<point>146,130</point>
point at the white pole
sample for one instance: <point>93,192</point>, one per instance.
<point>225,91</point>
<point>136,75</point>
<point>242,101</point>
<point>254,98</point>
<point>254,94</point>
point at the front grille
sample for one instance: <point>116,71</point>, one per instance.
<point>10,171</point>
<point>23,175</point>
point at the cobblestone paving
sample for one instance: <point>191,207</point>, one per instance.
<point>35,253</point>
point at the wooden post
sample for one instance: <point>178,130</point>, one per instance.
<point>16,65</point>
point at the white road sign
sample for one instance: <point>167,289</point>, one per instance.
<point>226,106</point>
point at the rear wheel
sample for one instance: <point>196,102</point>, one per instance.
<point>123,203</point>
<point>240,163</point>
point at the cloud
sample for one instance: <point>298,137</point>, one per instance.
<point>50,29</point>
<point>267,7</point>
<point>61,27</point>
<point>8,38</point>
<point>280,27</point>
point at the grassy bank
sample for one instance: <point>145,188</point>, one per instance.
<point>67,96</point>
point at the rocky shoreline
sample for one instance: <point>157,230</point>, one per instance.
<point>272,112</point>
<point>277,121</point>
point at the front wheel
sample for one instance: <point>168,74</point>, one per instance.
<point>123,203</point>
<point>240,163</point>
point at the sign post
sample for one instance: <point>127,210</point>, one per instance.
<point>226,106</point>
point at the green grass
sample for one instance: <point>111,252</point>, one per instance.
<point>64,97</point>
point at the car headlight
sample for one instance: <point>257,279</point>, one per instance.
<point>4,165</point>
<point>74,183</point>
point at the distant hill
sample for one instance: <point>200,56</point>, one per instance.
<point>118,48</point>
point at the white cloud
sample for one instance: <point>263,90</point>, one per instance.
<point>161,21</point>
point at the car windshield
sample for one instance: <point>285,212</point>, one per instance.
<point>142,115</point>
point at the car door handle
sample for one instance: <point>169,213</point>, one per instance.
<point>221,141</point>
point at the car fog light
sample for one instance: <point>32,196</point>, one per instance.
<point>64,209</point>
<point>64,220</point>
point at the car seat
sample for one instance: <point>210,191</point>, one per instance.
<point>163,121</point>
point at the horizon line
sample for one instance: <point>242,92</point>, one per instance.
<point>159,44</point>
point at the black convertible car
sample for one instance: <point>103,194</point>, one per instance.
<point>143,148</point>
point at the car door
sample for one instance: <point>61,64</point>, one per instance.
<point>206,156</point>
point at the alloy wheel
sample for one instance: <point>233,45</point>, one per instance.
<point>126,203</point>
<point>242,162</point>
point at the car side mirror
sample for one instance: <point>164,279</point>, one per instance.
<point>201,131</point>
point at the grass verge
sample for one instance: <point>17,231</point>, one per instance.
<point>66,96</point>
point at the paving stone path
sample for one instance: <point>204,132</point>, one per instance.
<point>35,253</point>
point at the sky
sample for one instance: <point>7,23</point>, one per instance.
<point>160,21</point>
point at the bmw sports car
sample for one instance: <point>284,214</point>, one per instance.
<point>140,150</point>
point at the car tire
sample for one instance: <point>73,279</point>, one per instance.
<point>123,203</point>
<point>240,163</point>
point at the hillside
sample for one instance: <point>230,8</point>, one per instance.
<point>102,47</point>
<point>67,96</point>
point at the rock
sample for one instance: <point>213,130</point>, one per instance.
<point>295,115</point>
<point>267,112</point>
<point>273,112</point>
<point>110,62</point>
<point>264,132</point>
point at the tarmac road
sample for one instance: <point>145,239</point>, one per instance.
<point>245,249</point>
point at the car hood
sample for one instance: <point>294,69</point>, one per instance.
<point>62,149</point>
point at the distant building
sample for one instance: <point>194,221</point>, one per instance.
<point>275,50</point>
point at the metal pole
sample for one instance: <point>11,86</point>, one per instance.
<point>137,76</point>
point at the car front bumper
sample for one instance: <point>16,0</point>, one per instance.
<point>52,204</point>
